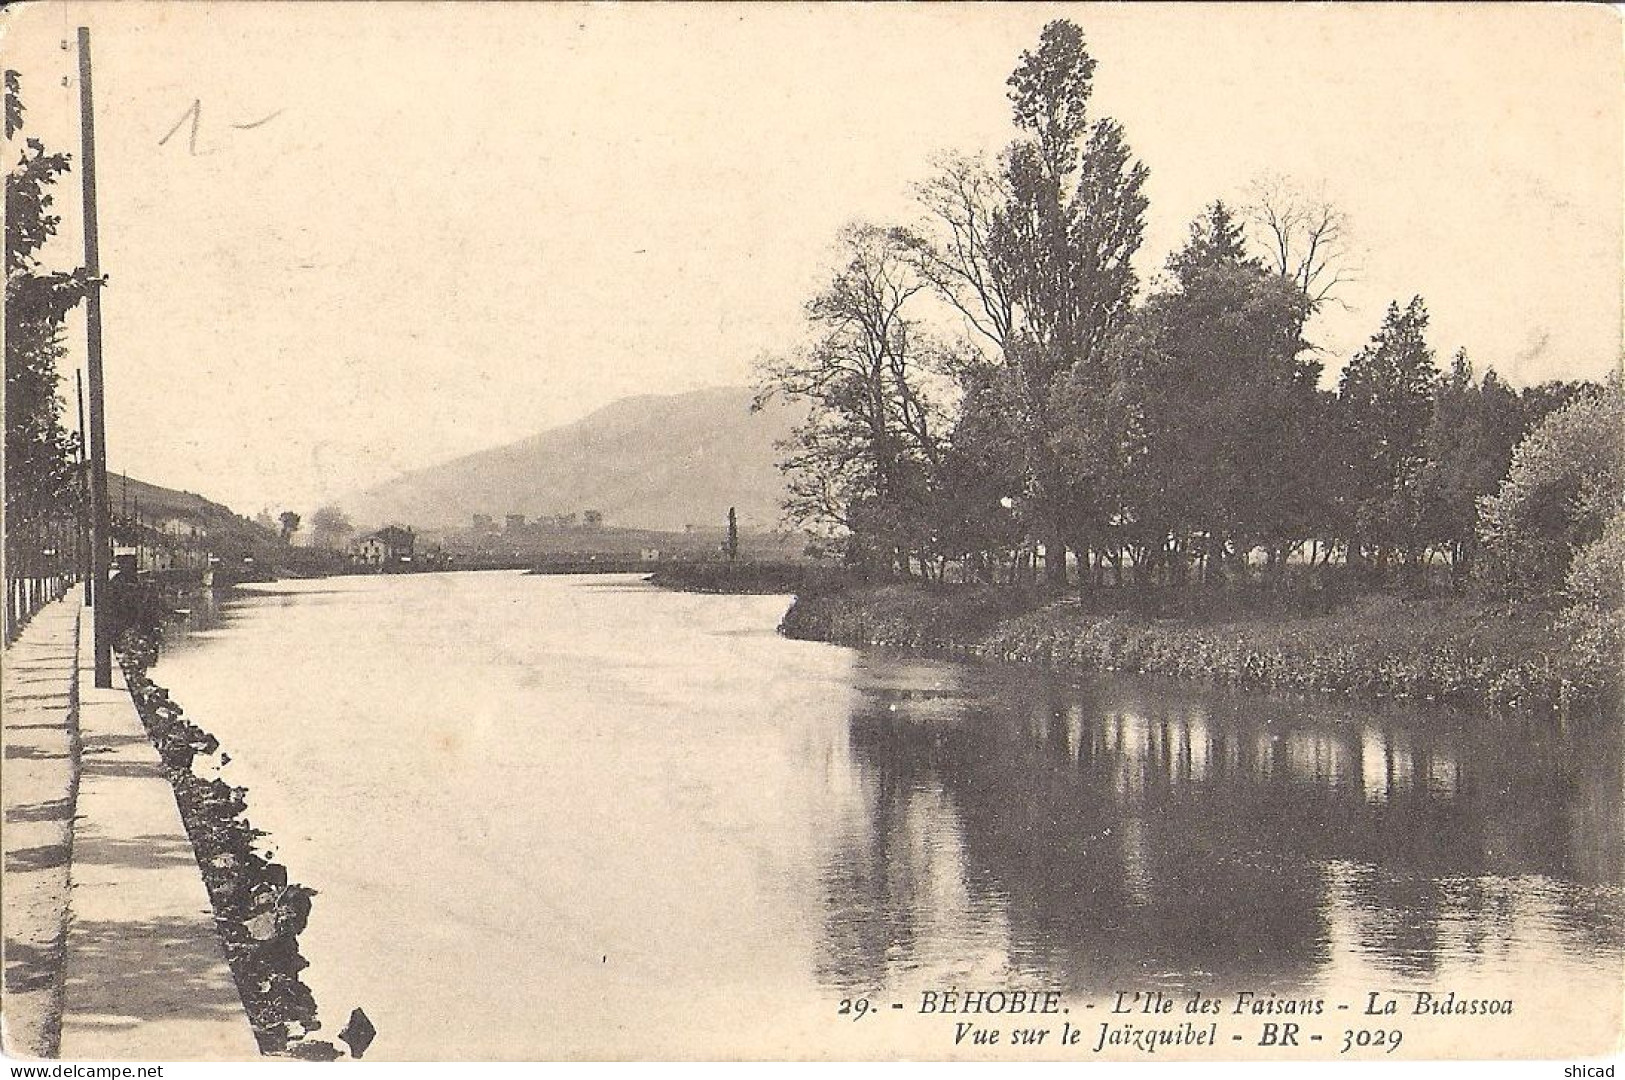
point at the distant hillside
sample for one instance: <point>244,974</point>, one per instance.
<point>645,462</point>
<point>228,532</point>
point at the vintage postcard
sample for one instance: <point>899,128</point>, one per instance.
<point>812,532</point>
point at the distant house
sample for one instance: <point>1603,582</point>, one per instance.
<point>483,523</point>
<point>386,547</point>
<point>592,519</point>
<point>515,523</point>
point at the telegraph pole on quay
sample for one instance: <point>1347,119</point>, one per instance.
<point>5,474</point>
<point>82,522</point>
<point>101,532</point>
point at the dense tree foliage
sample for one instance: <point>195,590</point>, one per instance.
<point>1475,425</point>
<point>1565,485</point>
<point>1177,437</point>
<point>1386,396</point>
<point>1035,255</point>
<point>1063,240</point>
<point>1226,399</point>
<point>42,489</point>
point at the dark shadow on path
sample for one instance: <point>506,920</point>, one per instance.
<point>50,810</point>
<point>32,968</point>
<point>139,853</point>
<point>44,857</point>
<point>157,968</point>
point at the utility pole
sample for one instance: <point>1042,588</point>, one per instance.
<point>101,532</point>
<point>82,518</point>
<point>5,568</point>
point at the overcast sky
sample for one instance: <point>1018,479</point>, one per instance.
<point>404,233</point>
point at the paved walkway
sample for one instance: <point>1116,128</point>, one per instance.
<point>37,687</point>
<point>140,974</point>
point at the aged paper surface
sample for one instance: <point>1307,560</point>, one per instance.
<point>589,820</point>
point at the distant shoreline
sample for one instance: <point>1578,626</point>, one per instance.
<point>747,577</point>
<point>592,566</point>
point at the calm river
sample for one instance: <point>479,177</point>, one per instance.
<point>570,816</point>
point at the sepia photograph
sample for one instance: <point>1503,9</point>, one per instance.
<point>813,532</point>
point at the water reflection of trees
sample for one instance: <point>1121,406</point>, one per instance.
<point>1097,835</point>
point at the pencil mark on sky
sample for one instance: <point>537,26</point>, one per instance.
<point>196,115</point>
<point>257,123</point>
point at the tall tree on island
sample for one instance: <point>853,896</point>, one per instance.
<point>732,547</point>
<point>1037,258</point>
<point>1386,402</point>
<point>1224,393</point>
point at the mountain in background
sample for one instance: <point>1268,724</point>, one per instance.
<point>645,462</point>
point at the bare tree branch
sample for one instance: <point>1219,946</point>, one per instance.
<point>1304,235</point>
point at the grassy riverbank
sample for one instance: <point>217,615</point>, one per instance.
<point>1435,649</point>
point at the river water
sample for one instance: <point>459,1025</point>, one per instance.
<point>583,817</point>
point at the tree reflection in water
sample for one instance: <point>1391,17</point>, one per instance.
<point>1015,827</point>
